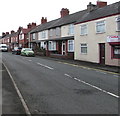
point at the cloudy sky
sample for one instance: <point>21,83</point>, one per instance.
<point>15,13</point>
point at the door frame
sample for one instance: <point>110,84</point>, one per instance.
<point>63,48</point>
<point>102,53</point>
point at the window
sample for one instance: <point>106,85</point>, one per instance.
<point>43,34</point>
<point>100,27</point>
<point>83,48</point>
<point>71,29</point>
<point>70,45</point>
<point>51,31</point>
<point>57,31</point>
<point>118,23</point>
<point>83,30</point>
<point>52,45</point>
<point>116,51</point>
<point>33,36</point>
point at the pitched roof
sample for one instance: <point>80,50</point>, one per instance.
<point>72,18</point>
<point>108,10</point>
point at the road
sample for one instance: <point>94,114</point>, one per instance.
<point>54,87</point>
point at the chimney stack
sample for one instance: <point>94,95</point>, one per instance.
<point>90,7</point>
<point>3,34</point>
<point>7,33</point>
<point>64,12</point>
<point>29,26</point>
<point>101,3</point>
<point>33,24</point>
<point>43,20</point>
<point>12,31</point>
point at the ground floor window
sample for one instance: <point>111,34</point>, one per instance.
<point>70,45</point>
<point>83,47</point>
<point>52,45</point>
<point>116,51</point>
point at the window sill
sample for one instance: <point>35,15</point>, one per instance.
<point>83,34</point>
<point>100,32</point>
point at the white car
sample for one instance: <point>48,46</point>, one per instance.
<point>3,48</point>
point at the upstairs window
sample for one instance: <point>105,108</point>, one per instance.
<point>118,23</point>
<point>51,32</point>
<point>43,34</point>
<point>33,36</point>
<point>57,31</point>
<point>100,27</point>
<point>83,29</point>
<point>71,29</point>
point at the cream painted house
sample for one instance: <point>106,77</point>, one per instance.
<point>93,35</point>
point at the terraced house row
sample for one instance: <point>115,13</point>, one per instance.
<point>90,35</point>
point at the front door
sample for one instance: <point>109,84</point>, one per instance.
<point>102,53</point>
<point>63,48</point>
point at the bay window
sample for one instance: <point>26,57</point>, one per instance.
<point>52,45</point>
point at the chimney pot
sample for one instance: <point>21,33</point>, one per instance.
<point>43,20</point>
<point>12,31</point>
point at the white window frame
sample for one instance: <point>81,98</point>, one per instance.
<point>101,24</point>
<point>52,45</point>
<point>84,45</point>
<point>71,29</point>
<point>33,36</point>
<point>117,20</point>
<point>43,34</point>
<point>57,31</point>
<point>51,32</point>
<point>84,29</point>
<point>70,42</point>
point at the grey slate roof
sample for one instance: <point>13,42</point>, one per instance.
<point>101,12</point>
<point>79,17</point>
<point>11,35</point>
<point>72,18</point>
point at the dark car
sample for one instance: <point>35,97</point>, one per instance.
<point>17,50</point>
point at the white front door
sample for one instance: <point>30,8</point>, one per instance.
<point>63,48</point>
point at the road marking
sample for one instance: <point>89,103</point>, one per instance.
<point>85,67</point>
<point>116,75</point>
<point>45,66</point>
<point>19,93</point>
<point>93,86</point>
<point>30,60</point>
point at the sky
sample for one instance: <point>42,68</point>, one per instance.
<point>15,13</point>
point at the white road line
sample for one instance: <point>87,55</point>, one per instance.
<point>45,66</point>
<point>19,93</point>
<point>116,75</point>
<point>67,75</point>
<point>30,60</point>
<point>93,86</point>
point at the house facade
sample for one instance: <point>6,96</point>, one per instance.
<point>97,37</point>
<point>57,36</point>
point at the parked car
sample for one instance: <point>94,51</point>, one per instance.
<point>3,48</point>
<point>27,52</point>
<point>17,50</point>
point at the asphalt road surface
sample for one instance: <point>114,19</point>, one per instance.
<point>53,87</point>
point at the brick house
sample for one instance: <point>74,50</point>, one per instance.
<point>57,36</point>
<point>23,34</point>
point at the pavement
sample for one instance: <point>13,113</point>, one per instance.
<point>11,104</point>
<point>115,69</point>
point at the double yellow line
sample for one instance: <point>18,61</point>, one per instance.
<point>85,67</point>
